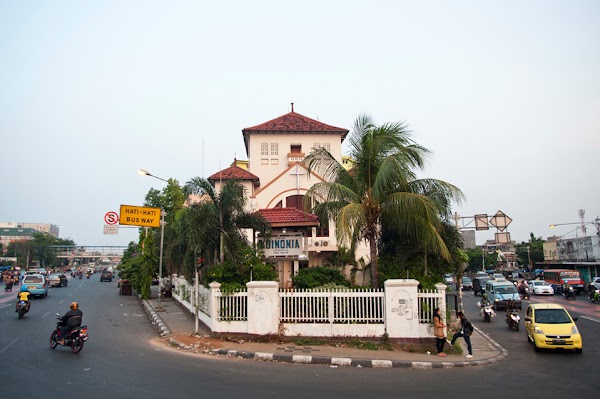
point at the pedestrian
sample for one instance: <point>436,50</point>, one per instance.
<point>466,329</point>
<point>439,332</point>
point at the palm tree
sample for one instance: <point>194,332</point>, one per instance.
<point>227,216</point>
<point>381,188</point>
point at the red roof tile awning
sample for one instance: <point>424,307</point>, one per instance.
<point>289,217</point>
<point>233,172</point>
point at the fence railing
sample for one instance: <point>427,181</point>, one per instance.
<point>428,301</point>
<point>332,306</point>
<point>338,312</point>
<point>232,306</point>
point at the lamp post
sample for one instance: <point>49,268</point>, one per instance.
<point>162,236</point>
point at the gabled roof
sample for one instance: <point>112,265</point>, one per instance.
<point>233,172</point>
<point>284,217</point>
<point>293,123</point>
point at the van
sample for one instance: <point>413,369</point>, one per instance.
<point>500,292</point>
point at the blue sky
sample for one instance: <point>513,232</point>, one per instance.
<point>506,95</point>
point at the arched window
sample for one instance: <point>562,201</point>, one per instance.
<point>295,201</point>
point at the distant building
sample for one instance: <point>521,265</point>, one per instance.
<point>506,257</point>
<point>580,253</point>
<point>17,231</point>
<point>468,237</point>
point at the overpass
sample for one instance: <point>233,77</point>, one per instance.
<point>87,254</point>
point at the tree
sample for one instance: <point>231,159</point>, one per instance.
<point>380,189</point>
<point>532,249</point>
<point>40,248</point>
<point>477,262</point>
<point>226,215</point>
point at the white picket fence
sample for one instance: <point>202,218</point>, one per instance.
<point>342,312</point>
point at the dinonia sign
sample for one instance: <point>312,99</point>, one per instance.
<point>284,245</point>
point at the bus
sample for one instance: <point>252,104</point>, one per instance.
<point>558,277</point>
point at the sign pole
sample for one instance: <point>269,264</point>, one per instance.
<point>162,238</point>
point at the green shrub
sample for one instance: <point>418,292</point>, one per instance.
<point>314,277</point>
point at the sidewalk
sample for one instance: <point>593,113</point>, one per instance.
<point>176,320</point>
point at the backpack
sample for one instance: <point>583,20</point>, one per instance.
<point>468,328</point>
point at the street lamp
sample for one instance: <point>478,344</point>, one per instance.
<point>162,235</point>
<point>146,173</point>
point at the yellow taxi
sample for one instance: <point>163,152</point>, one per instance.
<point>550,326</point>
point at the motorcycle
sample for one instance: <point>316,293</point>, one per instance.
<point>22,309</point>
<point>8,286</point>
<point>595,296</point>
<point>87,275</point>
<point>513,319</point>
<point>486,311</point>
<point>524,293</point>
<point>569,293</point>
<point>75,337</point>
<point>80,276</point>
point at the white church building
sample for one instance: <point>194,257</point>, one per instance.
<point>276,180</point>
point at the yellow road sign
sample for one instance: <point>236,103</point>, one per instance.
<point>139,216</point>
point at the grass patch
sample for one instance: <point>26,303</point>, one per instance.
<point>308,341</point>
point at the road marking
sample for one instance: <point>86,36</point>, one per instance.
<point>9,345</point>
<point>590,318</point>
<point>45,314</point>
<point>61,301</point>
<point>5,306</point>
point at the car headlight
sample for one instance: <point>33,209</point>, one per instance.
<point>537,330</point>
<point>574,330</point>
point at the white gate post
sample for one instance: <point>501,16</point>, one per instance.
<point>401,308</point>
<point>214,306</point>
<point>263,307</point>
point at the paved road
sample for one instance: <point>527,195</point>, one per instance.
<point>122,359</point>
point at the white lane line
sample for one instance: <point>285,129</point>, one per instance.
<point>61,301</point>
<point>45,314</point>
<point>590,318</point>
<point>5,306</point>
<point>9,345</point>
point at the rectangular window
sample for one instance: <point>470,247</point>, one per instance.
<point>274,161</point>
<point>274,148</point>
<point>316,145</point>
<point>327,146</point>
<point>264,161</point>
<point>296,149</point>
<point>264,149</point>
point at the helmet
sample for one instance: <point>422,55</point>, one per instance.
<point>23,288</point>
<point>74,305</point>
<point>484,296</point>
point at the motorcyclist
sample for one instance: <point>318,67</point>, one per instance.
<point>484,302</point>
<point>568,290</point>
<point>23,295</point>
<point>71,320</point>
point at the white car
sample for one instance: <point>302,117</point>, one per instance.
<point>539,287</point>
<point>596,282</point>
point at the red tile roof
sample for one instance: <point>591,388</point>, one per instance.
<point>282,217</point>
<point>293,123</point>
<point>233,173</point>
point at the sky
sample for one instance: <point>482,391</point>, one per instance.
<point>505,94</point>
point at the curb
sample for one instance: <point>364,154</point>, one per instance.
<point>164,331</point>
<point>157,322</point>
